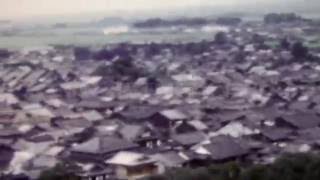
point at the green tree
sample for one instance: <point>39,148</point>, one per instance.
<point>221,38</point>
<point>258,172</point>
<point>201,174</point>
<point>291,166</point>
<point>59,172</point>
<point>313,169</point>
<point>288,167</point>
<point>228,171</point>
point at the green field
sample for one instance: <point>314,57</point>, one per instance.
<point>20,41</point>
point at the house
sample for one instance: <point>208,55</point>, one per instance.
<point>66,113</point>
<point>41,138</point>
<point>132,166</point>
<point>141,134</point>
<point>275,134</point>
<point>72,123</point>
<point>38,112</point>
<point>188,139</point>
<point>166,119</point>
<point>6,142</point>
<point>6,155</point>
<point>8,99</point>
<point>234,129</point>
<point>227,116</point>
<point>7,115</point>
<point>198,125</point>
<point>99,148</point>
<point>194,160</point>
<point>131,132</point>
<point>170,160</point>
<point>95,103</point>
<point>299,120</point>
<point>311,134</point>
<point>73,86</point>
<point>92,116</point>
<point>32,78</point>
<point>55,103</point>
<point>301,106</point>
<point>40,163</point>
<point>33,130</point>
<point>184,127</point>
<point>76,135</point>
<point>138,113</point>
<point>10,133</point>
<point>223,148</point>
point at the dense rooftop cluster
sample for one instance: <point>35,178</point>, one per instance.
<point>250,95</point>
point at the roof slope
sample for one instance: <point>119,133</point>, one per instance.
<point>104,145</point>
<point>225,147</point>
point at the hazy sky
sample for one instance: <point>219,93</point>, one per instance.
<point>28,8</point>
<point>23,8</point>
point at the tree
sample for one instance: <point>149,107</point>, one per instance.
<point>157,177</point>
<point>228,171</point>
<point>4,53</point>
<point>221,38</point>
<point>228,20</point>
<point>258,172</point>
<point>181,174</point>
<point>285,44</point>
<point>103,54</point>
<point>201,174</point>
<point>82,53</point>
<point>152,83</point>
<point>122,69</point>
<point>274,18</point>
<point>291,166</point>
<point>287,167</point>
<point>313,170</point>
<point>258,39</point>
<point>153,49</point>
<point>58,172</point>
<point>298,50</point>
<point>197,48</point>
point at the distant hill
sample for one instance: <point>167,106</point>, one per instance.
<point>110,21</point>
<point>303,7</point>
<point>4,22</point>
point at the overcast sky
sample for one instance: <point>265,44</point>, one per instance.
<point>28,8</point>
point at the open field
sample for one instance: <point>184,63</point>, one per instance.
<point>21,41</point>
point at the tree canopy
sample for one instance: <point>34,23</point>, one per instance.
<point>287,167</point>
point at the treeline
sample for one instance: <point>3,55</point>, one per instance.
<point>288,167</point>
<point>271,18</point>
<point>276,18</point>
<point>158,22</point>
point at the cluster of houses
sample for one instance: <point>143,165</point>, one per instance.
<point>243,100</point>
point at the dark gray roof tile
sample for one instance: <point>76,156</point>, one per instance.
<point>189,139</point>
<point>225,147</point>
<point>104,145</point>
